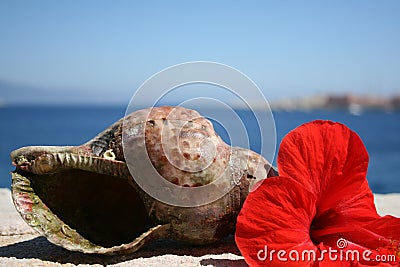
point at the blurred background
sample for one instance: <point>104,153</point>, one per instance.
<point>69,69</point>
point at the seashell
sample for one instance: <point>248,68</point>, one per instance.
<point>84,198</point>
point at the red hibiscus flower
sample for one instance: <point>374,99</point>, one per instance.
<point>320,211</point>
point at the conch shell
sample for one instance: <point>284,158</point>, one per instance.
<point>84,198</point>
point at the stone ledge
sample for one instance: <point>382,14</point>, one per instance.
<point>21,246</point>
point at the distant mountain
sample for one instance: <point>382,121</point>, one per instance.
<point>12,94</point>
<point>353,103</point>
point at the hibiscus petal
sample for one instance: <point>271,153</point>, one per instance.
<point>333,162</point>
<point>327,157</point>
<point>388,226</point>
<point>278,215</point>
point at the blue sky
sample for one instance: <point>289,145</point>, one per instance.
<point>289,48</point>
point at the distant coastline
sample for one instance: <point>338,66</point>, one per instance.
<point>353,103</point>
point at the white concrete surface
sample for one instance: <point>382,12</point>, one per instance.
<point>20,246</point>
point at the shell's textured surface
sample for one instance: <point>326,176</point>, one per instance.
<point>181,144</point>
<point>84,198</point>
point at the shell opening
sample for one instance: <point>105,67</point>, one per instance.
<point>105,210</point>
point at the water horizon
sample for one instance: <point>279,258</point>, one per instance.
<point>76,124</point>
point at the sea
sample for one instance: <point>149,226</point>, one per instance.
<point>72,125</point>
